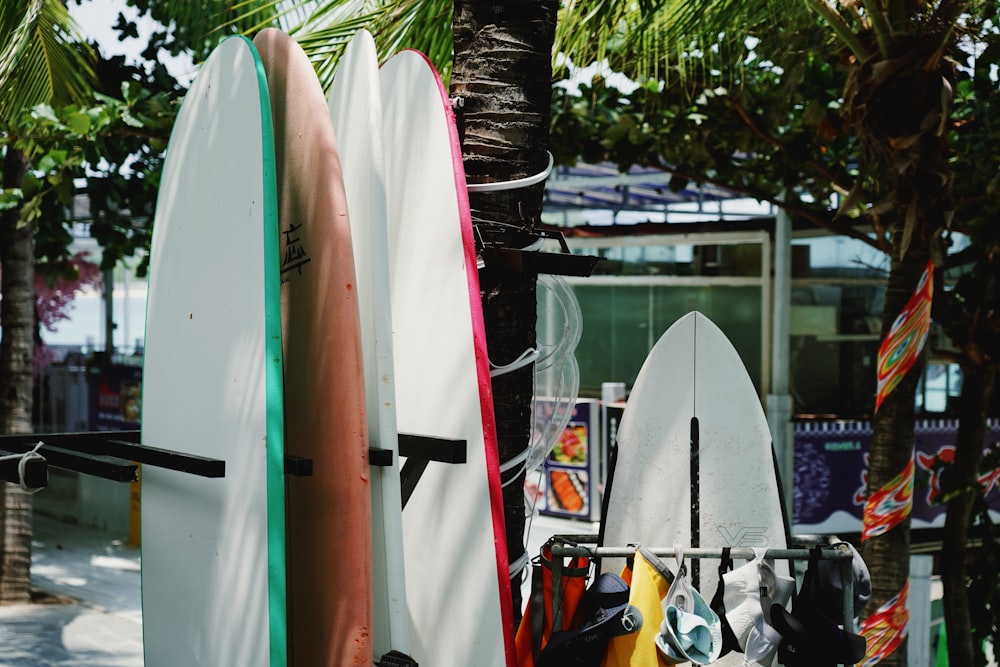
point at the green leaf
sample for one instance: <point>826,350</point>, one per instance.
<point>133,92</point>
<point>31,210</point>
<point>130,120</point>
<point>52,160</point>
<point>65,190</point>
<point>10,198</point>
<point>78,122</point>
<point>621,129</point>
<point>29,185</point>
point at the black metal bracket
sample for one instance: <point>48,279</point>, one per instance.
<point>379,457</point>
<point>552,263</point>
<point>531,261</point>
<point>63,455</point>
<point>36,471</point>
<point>420,450</point>
<point>296,466</point>
<point>110,454</point>
<point>445,450</point>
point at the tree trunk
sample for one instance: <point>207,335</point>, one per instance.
<point>897,105</point>
<point>977,393</point>
<point>503,75</point>
<point>17,321</point>
<point>888,555</point>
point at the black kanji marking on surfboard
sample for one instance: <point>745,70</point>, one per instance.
<point>294,256</point>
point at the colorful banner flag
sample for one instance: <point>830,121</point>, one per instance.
<point>886,629</point>
<point>905,340</point>
<point>887,507</point>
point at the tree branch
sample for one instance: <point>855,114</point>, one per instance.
<point>764,136</point>
<point>841,28</point>
<point>881,26</point>
<point>794,208</point>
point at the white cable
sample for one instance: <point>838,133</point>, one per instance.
<point>531,511</point>
<point>525,358</point>
<point>563,404</point>
<point>558,368</point>
<point>514,184</point>
<point>23,463</point>
<point>535,245</point>
<point>512,463</point>
<point>517,566</point>
<point>569,309</point>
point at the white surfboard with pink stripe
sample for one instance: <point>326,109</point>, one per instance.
<point>457,585</point>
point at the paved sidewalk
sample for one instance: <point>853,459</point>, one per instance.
<point>94,614</point>
<point>93,617</point>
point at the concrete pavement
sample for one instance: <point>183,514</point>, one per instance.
<point>91,580</point>
<point>92,615</point>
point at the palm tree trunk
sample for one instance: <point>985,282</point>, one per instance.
<point>977,393</point>
<point>888,555</point>
<point>503,74</point>
<point>17,321</point>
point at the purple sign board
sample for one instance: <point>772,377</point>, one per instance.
<point>831,466</point>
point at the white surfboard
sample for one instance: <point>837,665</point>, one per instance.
<point>213,574</point>
<point>355,103</point>
<point>694,463</point>
<point>457,584</point>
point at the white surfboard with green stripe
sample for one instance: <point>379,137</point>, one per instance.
<point>213,552</point>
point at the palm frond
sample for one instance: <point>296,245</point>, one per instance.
<point>199,25</point>
<point>323,27</point>
<point>652,38</point>
<point>15,30</point>
<point>643,39</point>
<point>424,25</point>
<point>324,46</point>
<point>46,59</point>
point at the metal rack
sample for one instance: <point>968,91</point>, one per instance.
<point>114,455</point>
<point>570,546</point>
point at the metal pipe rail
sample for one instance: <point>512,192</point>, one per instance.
<point>570,548</point>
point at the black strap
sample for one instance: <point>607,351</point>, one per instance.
<point>807,594</point>
<point>718,605</point>
<point>609,479</point>
<point>538,611</point>
<point>725,563</point>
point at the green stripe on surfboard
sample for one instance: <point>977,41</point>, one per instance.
<point>276,586</point>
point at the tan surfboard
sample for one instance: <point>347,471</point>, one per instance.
<point>329,513</point>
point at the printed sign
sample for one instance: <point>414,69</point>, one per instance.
<point>565,487</point>
<point>831,473</point>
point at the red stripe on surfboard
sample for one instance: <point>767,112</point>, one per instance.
<point>483,372</point>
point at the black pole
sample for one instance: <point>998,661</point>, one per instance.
<point>695,499</point>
